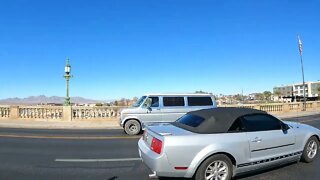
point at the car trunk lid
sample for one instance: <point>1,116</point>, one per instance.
<point>167,129</point>
<point>156,132</point>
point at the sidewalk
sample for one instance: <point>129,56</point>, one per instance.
<point>296,114</point>
<point>58,124</point>
<point>99,124</point>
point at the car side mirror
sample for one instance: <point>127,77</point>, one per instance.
<point>285,127</point>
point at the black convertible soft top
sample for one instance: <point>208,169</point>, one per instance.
<point>217,120</point>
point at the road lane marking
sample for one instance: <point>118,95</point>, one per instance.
<point>68,137</point>
<point>98,160</point>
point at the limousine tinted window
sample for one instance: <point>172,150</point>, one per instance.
<point>199,101</point>
<point>173,101</point>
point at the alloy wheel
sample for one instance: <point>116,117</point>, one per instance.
<point>312,149</point>
<point>217,170</point>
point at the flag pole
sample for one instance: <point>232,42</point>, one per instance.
<point>304,87</point>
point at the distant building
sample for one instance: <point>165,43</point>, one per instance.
<point>252,96</point>
<point>294,92</point>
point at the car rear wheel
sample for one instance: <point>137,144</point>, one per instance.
<point>132,127</point>
<point>310,150</point>
<point>215,167</point>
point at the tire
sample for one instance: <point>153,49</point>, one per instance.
<point>221,161</point>
<point>310,150</point>
<point>132,127</point>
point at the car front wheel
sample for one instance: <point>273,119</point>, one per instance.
<point>215,167</point>
<point>132,127</point>
<point>310,150</point>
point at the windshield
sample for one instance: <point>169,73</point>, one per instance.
<point>138,103</point>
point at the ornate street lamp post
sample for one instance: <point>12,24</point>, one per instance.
<point>67,76</point>
<point>304,85</point>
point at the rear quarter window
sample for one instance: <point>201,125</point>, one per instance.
<point>191,120</point>
<point>200,101</point>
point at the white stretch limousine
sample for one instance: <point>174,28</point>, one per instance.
<point>162,108</point>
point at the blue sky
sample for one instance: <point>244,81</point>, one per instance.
<point>121,48</point>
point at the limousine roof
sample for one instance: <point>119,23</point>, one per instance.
<point>178,94</point>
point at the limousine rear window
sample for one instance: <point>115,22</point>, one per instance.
<point>190,120</point>
<point>200,101</point>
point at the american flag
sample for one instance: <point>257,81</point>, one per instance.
<point>300,45</point>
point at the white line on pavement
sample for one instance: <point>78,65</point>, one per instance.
<point>97,160</point>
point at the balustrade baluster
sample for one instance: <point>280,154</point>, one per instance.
<point>43,112</point>
<point>83,114</point>
<point>46,113</point>
<point>36,113</point>
<point>55,114</point>
<point>60,113</point>
<point>28,113</point>
<point>77,113</point>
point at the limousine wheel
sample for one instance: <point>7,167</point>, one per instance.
<point>310,150</point>
<point>132,127</point>
<point>215,167</point>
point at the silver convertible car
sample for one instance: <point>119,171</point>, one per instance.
<point>221,143</point>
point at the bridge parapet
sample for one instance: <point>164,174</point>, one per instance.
<point>78,113</point>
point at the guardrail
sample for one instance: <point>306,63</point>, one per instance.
<point>69,113</point>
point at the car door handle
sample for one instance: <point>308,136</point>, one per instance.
<point>256,140</point>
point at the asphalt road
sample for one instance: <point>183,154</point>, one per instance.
<point>100,154</point>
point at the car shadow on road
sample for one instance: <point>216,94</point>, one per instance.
<point>113,178</point>
<point>167,178</point>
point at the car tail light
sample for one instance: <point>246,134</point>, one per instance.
<point>156,145</point>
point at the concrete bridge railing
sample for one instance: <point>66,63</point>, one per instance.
<point>66,113</point>
<point>278,108</point>
<point>79,113</point>
<point>75,113</point>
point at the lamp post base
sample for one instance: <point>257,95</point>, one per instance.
<point>67,101</point>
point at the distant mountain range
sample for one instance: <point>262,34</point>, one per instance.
<point>44,100</point>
